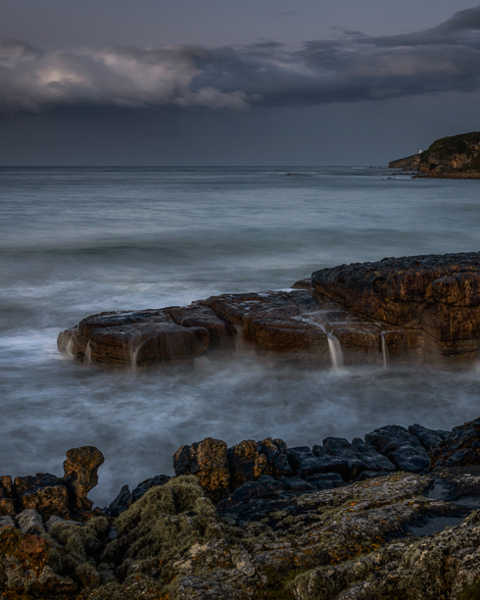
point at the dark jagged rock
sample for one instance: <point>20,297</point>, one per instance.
<point>429,438</point>
<point>326,481</point>
<point>80,474</point>
<point>144,486</point>
<point>121,502</point>
<point>273,459</point>
<point>460,448</point>
<point>401,447</point>
<point>305,463</point>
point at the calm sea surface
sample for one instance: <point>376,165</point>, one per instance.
<point>74,242</point>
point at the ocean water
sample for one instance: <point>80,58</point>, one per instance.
<point>77,241</point>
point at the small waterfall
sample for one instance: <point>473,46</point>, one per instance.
<point>240,343</point>
<point>69,348</point>
<point>384,350</point>
<point>88,355</point>
<point>336,353</point>
<point>134,358</point>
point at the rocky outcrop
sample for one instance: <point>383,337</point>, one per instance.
<point>433,298</point>
<point>453,157</point>
<point>367,530</point>
<point>418,308</point>
<point>456,156</point>
<point>49,495</point>
<point>409,163</point>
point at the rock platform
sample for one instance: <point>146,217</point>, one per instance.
<point>418,309</point>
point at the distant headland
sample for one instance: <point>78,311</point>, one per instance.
<point>453,157</point>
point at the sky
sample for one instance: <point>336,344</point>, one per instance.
<point>218,82</point>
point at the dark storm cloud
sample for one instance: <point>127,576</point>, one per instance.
<point>348,67</point>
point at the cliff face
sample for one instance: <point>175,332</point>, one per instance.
<point>456,157</point>
<point>409,163</point>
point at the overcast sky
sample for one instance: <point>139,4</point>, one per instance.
<point>218,82</point>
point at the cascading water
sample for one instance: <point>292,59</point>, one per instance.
<point>88,355</point>
<point>336,353</point>
<point>69,348</point>
<point>384,350</point>
<point>134,358</point>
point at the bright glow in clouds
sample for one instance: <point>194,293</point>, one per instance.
<point>349,68</point>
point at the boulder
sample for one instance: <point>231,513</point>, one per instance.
<point>273,458</point>
<point>44,493</point>
<point>401,447</point>
<point>429,438</point>
<point>29,521</point>
<point>208,461</point>
<point>460,448</point>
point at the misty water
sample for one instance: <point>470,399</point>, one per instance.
<point>75,242</point>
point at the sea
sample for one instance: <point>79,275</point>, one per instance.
<point>78,241</point>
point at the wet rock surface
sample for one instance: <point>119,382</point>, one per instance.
<point>259,520</point>
<point>420,308</point>
<point>435,295</point>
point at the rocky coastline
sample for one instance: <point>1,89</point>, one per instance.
<point>393,515</point>
<point>452,157</point>
<point>422,309</point>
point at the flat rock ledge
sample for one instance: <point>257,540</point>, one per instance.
<point>417,308</point>
<point>394,515</point>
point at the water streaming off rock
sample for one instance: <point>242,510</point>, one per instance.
<point>74,242</point>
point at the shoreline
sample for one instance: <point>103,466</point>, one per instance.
<point>237,515</point>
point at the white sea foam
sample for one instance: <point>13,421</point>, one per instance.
<point>75,242</point>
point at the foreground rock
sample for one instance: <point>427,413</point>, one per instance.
<point>453,157</point>
<point>336,522</point>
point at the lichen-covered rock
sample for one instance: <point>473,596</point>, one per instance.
<point>7,506</point>
<point>80,474</point>
<point>208,461</point>
<point>43,493</point>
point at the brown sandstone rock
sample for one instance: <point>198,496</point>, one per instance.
<point>80,474</point>
<point>437,295</point>
<point>44,493</point>
<point>7,506</point>
<point>249,460</point>
<point>208,461</point>
<point>130,338</point>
